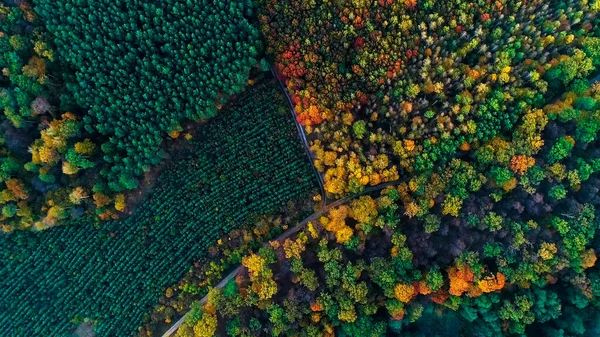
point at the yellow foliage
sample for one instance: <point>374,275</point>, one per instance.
<point>348,315</point>
<point>547,251</point>
<point>69,169</point>
<point>510,184</point>
<point>404,292</point>
<point>381,162</point>
<point>294,248</point>
<point>254,263</point>
<point>336,223</point>
<point>364,210</point>
<point>559,171</point>
<point>588,258</point>
<point>347,118</point>
<point>120,202</point>
<point>313,232</point>
<point>452,205</point>
<point>329,158</point>
<point>265,289</point>
<point>344,234</point>
<point>335,180</point>
<point>85,148</point>
<point>206,326</point>
<point>413,185</point>
<point>48,155</point>
<point>412,209</point>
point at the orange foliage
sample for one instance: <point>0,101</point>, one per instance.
<point>474,291</point>
<point>588,258</point>
<point>491,284</point>
<point>423,288</point>
<point>409,144</point>
<point>316,306</point>
<point>394,251</point>
<point>461,278</point>
<point>101,200</point>
<point>398,315</point>
<point>336,223</point>
<point>521,163</point>
<point>410,3</point>
<point>465,146</point>
<point>17,188</point>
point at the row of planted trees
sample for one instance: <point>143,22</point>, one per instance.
<point>89,92</point>
<point>501,241</point>
<point>108,275</point>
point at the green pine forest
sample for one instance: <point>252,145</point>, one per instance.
<point>299,168</point>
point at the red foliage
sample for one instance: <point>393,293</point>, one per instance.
<point>385,2</point>
<point>359,42</point>
<point>439,297</point>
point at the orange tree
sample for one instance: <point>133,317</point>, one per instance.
<point>420,82</point>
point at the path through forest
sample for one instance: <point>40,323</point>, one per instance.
<point>285,235</point>
<point>314,216</point>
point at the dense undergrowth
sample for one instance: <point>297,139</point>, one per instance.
<point>246,162</point>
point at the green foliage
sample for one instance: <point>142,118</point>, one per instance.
<point>421,82</point>
<point>112,273</point>
<point>560,150</point>
<point>157,64</point>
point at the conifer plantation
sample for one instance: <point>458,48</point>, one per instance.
<point>299,168</point>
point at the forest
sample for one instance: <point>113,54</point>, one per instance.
<point>300,168</point>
